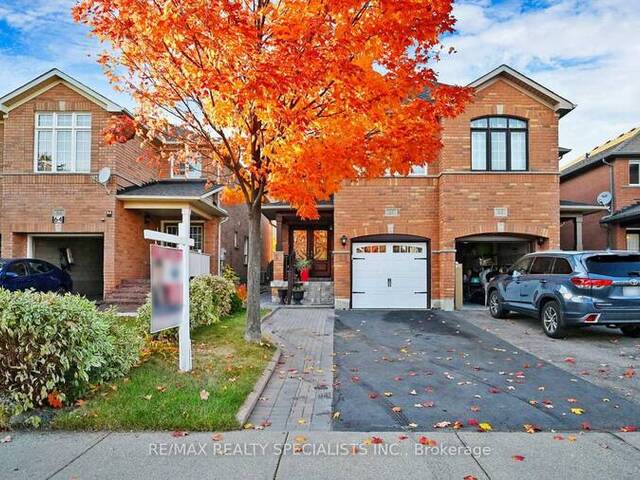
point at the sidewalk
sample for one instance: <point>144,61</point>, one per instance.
<point>273,455</point>
<point>299,394</point>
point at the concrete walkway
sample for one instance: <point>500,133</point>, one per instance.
<point>313,455</point>
<point>299,394</point>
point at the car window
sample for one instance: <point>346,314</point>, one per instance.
<point>522,265</point>
<point>541,265</point>
<point>19,268</point>
<point>614,265</point>
<point>562,267</point>
<point>39,267</point>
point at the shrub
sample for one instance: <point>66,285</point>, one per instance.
<point>54,346</point>
<point>210,299</point>
<point>239,298</point>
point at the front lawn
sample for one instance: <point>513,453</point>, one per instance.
<point>155,396</point>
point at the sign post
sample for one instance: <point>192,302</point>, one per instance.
<point>184,242</point>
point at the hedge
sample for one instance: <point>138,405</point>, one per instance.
<point>59,345</point>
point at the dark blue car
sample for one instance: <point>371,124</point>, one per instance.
<point>26,273</point>
<point>572,289</point>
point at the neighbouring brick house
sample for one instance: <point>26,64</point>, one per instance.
<point>54,205</point>
<point>612,167</point>
<point>493,195</point>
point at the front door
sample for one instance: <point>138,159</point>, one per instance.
<point>313,243</point>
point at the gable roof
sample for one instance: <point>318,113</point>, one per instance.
<point>48,80</point>
<point>626,144</point>
<point>561,105</point>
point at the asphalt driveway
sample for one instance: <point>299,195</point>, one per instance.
<point>397,368</point>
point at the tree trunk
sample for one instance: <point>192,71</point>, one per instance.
<point>253,332</point>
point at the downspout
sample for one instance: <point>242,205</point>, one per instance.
<point>220,244</point>
<point>612,207</point>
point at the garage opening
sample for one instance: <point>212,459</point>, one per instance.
<point>390,271</point>
<point>81,256</point>
<point>484,256</point>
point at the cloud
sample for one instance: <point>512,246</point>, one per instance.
<point>584,50</point>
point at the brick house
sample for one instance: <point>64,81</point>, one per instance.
<point>54,204</point>
<point>492,196</point>
<point>612,167</point>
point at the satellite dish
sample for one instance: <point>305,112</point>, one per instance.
<point>104,175</point>
<point>604,199</point>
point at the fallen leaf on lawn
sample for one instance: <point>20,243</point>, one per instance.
<point>373,395</point>
<point>217,437</point>
<point>585,426</point>
<point>570,360</point>
<point>161,388</point>
<point>457,425</point>
<point>518,458</point>
<point>443,424</point>
<point>485,427</point>
<point>6,439</point>
<point>336,415</point>
<point>388,394</point>
<point>577,410</point>
<point>530,428</point>
<point>376,440</point>
<point>629,428</point>
<point>179,433</point>
<point>300,439</point>
<point>204,395</point>
<point>147,397</point>
<point>396,409</point>
<point>629,372</point>
<point>427,441</point>
<point>113,387</point>
<point>80,402</point>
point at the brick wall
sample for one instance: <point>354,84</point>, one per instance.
<point>453,201</point>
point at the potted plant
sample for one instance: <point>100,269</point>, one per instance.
<point>303,266</point>
<point>298,294</point>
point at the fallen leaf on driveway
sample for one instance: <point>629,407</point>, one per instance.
<point>388,394</point>
<point>376,440</point>
<point>629,372</point>
<point>485,427</point>
<point>217,437</point>
<point>570,360</point>
<point>402,437</point>
<point>494,390</point>
<point>558,437</point>
<point>302,421</point>
<point>204,395</point>
<point>428,404</point>
<point>427,441</point>
<point>443,424</point>
<point>457,425</point>
<point>373,395</point>
<point>413,392</point>
<point>629,428</point>
<point>518,458</point>
<point>475,408</point>
<point>472,422</point>
<point>336,415</point>
<point>530,428</point>
<point>469,477</point>
<point>6,439</point>
<point>577,410</point>
<point>585,426</point>
<point>572,438</point>
<point>179,433</point>
<point>571,400</point>
<point>396,409</point>
<point>300,439</point>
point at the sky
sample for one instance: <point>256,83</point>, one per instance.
<point>587,51</point>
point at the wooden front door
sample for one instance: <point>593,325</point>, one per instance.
<point>313,243</point>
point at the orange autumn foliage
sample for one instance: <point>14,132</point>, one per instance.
<point>292,97</point>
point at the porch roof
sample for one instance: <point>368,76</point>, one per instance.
<point>571,208</point>
<point>630,213</point>
<point>271,209</point>
<point>174,194</point>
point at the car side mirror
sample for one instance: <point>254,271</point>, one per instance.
<point>515,274</point>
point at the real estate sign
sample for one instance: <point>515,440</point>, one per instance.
<point>167,279</point>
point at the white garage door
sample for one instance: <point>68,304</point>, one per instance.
<point>389,275</point>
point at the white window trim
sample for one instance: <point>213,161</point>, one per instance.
<point>54,129</point>
<point>634,162</point>
<point>187,169</point>
<point>245,256</point>
<point>163,223</point>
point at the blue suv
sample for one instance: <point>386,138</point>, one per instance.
<point>31,273</point>
<point>572,289</point>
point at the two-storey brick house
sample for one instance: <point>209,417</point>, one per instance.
<point>492,196</point>
<point>612,167</point>
<point>54,206</point>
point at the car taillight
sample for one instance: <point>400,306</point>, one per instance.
<point>582,282</point>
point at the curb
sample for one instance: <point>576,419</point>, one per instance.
<point>249,404</point>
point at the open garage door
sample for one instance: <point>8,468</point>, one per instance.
<point>484,256</point>
<point>86,255</point>
<point>390,275</point>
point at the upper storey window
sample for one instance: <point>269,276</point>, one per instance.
<point>499,144</point>
<point>63,142</point>
<point>191,168</point>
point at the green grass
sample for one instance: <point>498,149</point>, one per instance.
<point>223,364</point>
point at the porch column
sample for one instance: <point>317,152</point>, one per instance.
<point>578,220</point>
<point>184,339</point>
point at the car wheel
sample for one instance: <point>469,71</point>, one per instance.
<point>552,321</point>
<point>631,331</point>
<point>495,305</point>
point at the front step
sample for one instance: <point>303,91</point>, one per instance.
<point>315,293</point>
<point>129,295</point>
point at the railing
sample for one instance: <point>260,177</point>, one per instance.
<point>199,264</point>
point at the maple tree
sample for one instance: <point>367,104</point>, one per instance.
<point>291,98</point>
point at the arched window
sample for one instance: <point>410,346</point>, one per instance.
<point>499,144</point>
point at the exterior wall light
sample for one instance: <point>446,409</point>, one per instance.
<point>343,240</point>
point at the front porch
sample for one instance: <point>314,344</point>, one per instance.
<point>300,240</point>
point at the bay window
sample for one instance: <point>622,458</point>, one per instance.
<point>63,142</point>
<point>499,144</point>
